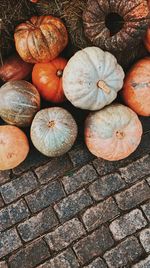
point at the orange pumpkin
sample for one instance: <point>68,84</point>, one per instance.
<point>136,89</point>
<point>113,133</point>
<point>147,39</point>
<point>41,39</point>
<point>14,147</point>
<point>47,77</point>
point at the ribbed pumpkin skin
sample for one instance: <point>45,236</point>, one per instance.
<point>53,131</point>
<point>47,77</point>
<point>14,147</point>
<point>136,89</point>
<point>136,17</point>
<point>83,73</point>
<point>19,102</point>
<point>113,133</point>
<point>41,39</point>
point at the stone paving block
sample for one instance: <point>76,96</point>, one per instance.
<point>53,169</point>
<point>13,214</point>
<point>9,241</point>
<point>66,259</point>
<point>124,253</point>
<point>18,187</point>
<point>98,263</point>
<point>136,170</point>
<point>101,213</point>
<point>127,224</point>
<point>71,205</point>
<point>93,245</point>
<point>133,196</point>
<point>80,155</point>
<point>143,263</point>
<point>79,178</point>
<point>30,256</point>
<point>38,224</point>
<point>145,239</point>
<point>4,176</point>
<point>3,264</point>
<point>106,186</point>
<point>146,209</point>
<point>65,234</point>
<point>45,196</point>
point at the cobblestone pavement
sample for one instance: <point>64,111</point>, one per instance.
<point>76,211</point>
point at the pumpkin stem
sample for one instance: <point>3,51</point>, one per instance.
<point>120,134</point>
<point>102,85</point>
<point>51,124</point>
<point>59,73</point>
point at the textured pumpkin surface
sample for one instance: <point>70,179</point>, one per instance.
<point>40,39</point>
<point>14,68</point>
<point>47,77</point>
<point>136,89</point>
<point>12,12</point>
<point>92,78</point>
<point>14,147</point>
<point>133,17</point>
<point>53,131</point>
<point>147,40</point>
<point>19,102</point>
<point>113,133</point>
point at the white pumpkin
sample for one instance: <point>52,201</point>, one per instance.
<point>113,133</point>
<point>53,131</point>
<point>92,78</point>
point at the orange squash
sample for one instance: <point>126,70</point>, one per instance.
<point>147,40</point>
<point>14,147</point>
<point>47,77</point>
<point>40,39</point>
<point>136,89</point>
<point>113,133</point>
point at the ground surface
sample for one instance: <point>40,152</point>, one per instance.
<point>77,211</point>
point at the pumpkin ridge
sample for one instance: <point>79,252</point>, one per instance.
<point>100,7</point>
<point>130,10</point>
<point>29,50</point>
<point>45,39</point>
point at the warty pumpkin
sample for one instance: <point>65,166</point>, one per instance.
<point>47,77</point>
<point>113,133</point>
<point>92,78</point>
<point>53,131</point>
<point>19,102</point>
<point>116,25</point>
<point>14,147</point>
<point>40,39</point>
<point>136,89</point>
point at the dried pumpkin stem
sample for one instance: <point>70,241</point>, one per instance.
<point>102,85</point>
<point>120,134</point>
<point>51,124</point>
<point>59,73</point>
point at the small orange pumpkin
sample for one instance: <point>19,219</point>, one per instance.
<point>113,133</point>
<point>147,40</point>
<point>47,77</point>
<point>41,39</point>
<point>136,89</point>
<point>14,147</point>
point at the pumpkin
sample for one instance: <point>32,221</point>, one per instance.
<point>47,77</point>
<point>92,78</point>
<point>136,89</point>
<point>14,68</point>
<point>113,133</point>
<point>147,40</point>
<point>41,39</point>
<point>14,147</point>
<point>116,25</point>
<point>19,102</point>
<point>12,12</point>
<point>53,131</point>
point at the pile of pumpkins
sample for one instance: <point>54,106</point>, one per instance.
<point>90,80</point>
